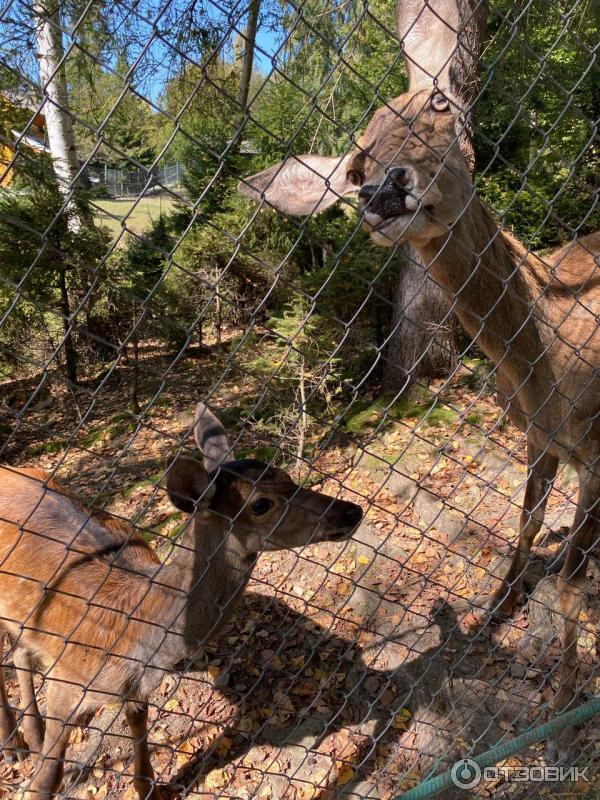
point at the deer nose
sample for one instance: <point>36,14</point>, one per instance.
<point>367,192</point>
<point>399,176</point>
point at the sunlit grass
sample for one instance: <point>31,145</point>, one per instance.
<point>115,214</point>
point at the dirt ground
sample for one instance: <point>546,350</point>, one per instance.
<point>350,670</point>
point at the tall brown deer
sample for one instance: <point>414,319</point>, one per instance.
<point>90,601</point>
<point>537,321</point>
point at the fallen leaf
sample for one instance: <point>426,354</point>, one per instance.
<point>216,779</point>
<point>224,745</point>
<point>402,719</point>
<point>345,775</point>
<point>170,705</point>
<point>184,753</point>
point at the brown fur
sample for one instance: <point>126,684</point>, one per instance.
<point>85,596</point>
<point>537,319</point>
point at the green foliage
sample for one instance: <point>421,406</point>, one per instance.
<point>337,66</point>
<point>536,119</point>
<point>36,248</point>
<point>316,294</point>
<point>102,101</point>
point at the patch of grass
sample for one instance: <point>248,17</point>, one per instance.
<point>112,213</point>
<point>121,424</point>
<point>366,418</point>
<point>161,402</point>
<point>262,365</point>
<point>413,403</point>
<point>380,462</point>
<point>176,516</point>
<point>152,480</point>
<point>264,454</point>
<point>439,415</point>
<point>477,377</point>
<point>45,448</point>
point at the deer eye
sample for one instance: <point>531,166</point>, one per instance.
<point>261,506</point>
<point>355,177</point>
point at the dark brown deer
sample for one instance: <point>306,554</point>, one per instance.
<point>88,599</point>
<point>537,320</point>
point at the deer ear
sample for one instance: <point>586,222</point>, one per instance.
<point>429,31</point>
<point>187,483</point>
<point>211,438</point>
<point>300,185</point>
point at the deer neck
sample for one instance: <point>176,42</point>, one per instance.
<point>203,582</point>
<point>496,296</point>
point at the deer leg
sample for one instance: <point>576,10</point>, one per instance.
<point>33,724</point>
<point>11,740</point>
<point>571,582</point>
<point>144,783</point>
<point>63,699</point>
<point>570,587</point>
<point>542,471</point>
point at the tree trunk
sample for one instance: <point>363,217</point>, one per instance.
<point>422,342</point>
<point>65,307</point>
<point>248,57</point>
<point>61,140</point>
<point>135,380</point>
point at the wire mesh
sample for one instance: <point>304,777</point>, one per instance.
<point>434,385</point>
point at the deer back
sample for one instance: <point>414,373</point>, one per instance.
<point>74,583</point>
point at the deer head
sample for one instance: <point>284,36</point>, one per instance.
<point>259,507</point>
<point>412,179</point>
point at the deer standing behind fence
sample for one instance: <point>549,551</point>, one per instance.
<point>537,321</point>
<point>88,599</point>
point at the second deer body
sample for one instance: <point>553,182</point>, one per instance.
<point>89,600</point>
<point>537,322</point>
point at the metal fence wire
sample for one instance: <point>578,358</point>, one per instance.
<point>131,183</point>
<point>300,445</point>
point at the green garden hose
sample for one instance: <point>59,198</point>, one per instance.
<point>498,753</point>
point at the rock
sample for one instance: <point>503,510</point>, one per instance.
<point>518,670</point>
<point>432,511</point>
<point>545,618</point>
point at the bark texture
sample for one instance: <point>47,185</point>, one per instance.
<point>61,140</point>
<point>248,56</point>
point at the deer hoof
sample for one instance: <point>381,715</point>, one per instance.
<point>503,606</point>
<point>17,750</point>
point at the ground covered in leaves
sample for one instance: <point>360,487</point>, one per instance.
<point>350,670</point>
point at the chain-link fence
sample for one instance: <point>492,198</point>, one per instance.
<point>299,444</point>
<point>131,183</point>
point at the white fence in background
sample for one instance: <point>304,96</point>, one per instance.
<point>131,183</point>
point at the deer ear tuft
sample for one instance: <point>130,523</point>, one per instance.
<point>188,484</point>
